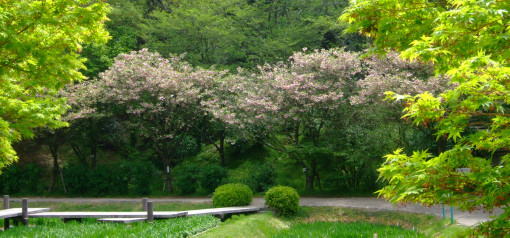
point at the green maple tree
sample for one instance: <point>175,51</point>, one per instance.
<point>40,42</point>
<point>469,40</point>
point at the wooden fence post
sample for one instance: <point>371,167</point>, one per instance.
<point>24,211</point>
<point>6,201</point>
<point>7,224</point>
<point>150,212</point>
<point>144,203</point>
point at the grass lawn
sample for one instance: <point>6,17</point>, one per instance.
<point>309,222</point>
<point>337,222</point>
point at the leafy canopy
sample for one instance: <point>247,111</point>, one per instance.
<point>40,43</point>
<point>469,41</point>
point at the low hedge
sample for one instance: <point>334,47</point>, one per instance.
<point>230,195</point>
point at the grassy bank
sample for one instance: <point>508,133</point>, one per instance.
<point>308,222</point>
<point>265,225</point>
<point>337,222</point>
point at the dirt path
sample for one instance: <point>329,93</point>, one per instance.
<point>463,218</point>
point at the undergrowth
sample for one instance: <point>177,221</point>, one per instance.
<point>178,227</point>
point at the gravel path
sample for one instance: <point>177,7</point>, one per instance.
<point>463,218</point>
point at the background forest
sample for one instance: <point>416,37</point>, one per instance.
<point>190,94</point>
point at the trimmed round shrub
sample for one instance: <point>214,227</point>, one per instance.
<point>283,200</point>
<point>233,194</point>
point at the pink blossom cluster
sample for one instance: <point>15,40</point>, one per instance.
<point>166,97</point>
<point>390,73</point>
<point>300,95</point>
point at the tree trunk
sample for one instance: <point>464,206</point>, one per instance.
<point>309,181</point>
<point>55,172</point>
<point>62,180</point>
<point>318,181</point>
<point>296,134</point>
<point>79,153</point>
<point>93,143</point>
<point>313,173</point>
<point>221,150</point>
<point>168,177</point>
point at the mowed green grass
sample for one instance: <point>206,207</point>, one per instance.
<point>339,229</point>
<point>245,226</point>
<point>265,225</point>
<point>337,222</point>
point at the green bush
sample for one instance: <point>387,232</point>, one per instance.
<point>212,176</point>
<point>129,177</point>
<point>77,179</point>
<point>186,178</point>
<point>21,179</point>
<point>139,176</point>
<point>100,180</point>
<point>283,200</point>
<point>262,177</point>
<point>230,195</point>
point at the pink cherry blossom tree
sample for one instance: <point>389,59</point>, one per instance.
<point>391,73</point>
<point>158,98</point>
<point>296,100</point>
<point>220,121</point>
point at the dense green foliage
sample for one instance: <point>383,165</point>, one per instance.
<point>187,178</point>
<point>226,34</point>
<point>40,43</point>
<point>128,177</point>
<point>21,179</point>
<point>211,177</point>
<point>262,177</point>
<point>231,195</point>
<point>467,40</point>
<point>243,33</point>
<point>283,200</point>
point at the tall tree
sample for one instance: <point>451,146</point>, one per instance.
<point>40,42</point>
<point>240,33</point>
<point>124,25</point>
<point>288,106</point>
<point>467,40</point>
<point>159,99</point>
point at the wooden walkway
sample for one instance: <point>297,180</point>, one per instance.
<point>16,212</point>
<point>223,211</point>
<point>157,215</point>
<point>122,220</point>
<point>22,214</point>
